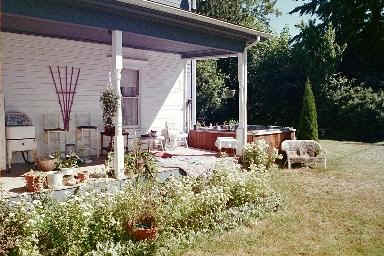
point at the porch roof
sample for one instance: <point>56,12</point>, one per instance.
<point>145,25</point>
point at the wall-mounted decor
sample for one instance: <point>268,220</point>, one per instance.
<point>65,81</point>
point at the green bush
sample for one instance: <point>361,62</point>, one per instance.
<point>259,156</point>
<point>307,128</point>
<point>185,209</point>
<point>353,110</point>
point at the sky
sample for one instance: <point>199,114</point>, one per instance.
<point>286,19</point>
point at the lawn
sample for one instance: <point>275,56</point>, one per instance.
<point>337,211</point>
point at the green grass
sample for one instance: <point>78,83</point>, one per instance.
<point>337,211</point>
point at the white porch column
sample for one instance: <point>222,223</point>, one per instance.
<point>194,92</point>
<point>3,164</point>
<point>242,131</point>
<point>117,66</point>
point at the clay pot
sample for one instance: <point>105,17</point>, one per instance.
<point>46,165</point>
<point>33,183</point>
<point>82,176</point>
<point>140,234</point>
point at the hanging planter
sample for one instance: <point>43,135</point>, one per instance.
<point>109,100</point>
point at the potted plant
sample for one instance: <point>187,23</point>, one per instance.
<point>143,227</point>
<point>233,124</point>
<point>35,181</point>
<point>109,101</point>
<point>82,176</point>
<point>66,165</point>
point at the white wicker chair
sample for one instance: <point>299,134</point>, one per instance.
<point>174,135</point>
<point>307,152</point>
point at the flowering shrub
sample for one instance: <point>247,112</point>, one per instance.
<point>259,156</point>
<point>12,221</point>
<point>185,209</point>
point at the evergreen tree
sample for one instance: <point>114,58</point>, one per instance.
<point>307,129</point>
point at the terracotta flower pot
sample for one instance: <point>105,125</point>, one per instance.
<point>140,234</point>
<point>46,165</point>
<point>34,183</point>
<point>82,176</point>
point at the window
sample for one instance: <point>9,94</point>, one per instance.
<point>130,93</point>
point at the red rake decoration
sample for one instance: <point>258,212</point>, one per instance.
<point>66,92</point>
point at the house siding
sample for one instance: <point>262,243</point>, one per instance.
<point>28,86</point>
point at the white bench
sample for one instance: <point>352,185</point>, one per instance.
<point>306,152</point>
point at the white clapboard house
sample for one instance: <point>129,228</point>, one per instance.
<point>148,46</point>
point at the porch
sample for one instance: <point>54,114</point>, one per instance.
<point>157,42</point>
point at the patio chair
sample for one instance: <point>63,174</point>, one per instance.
<point>87,134</point>
<point>174,136</point>
<point>307,152</point>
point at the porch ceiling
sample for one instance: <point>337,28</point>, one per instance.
<point>145,25</point>
<point>28,25</point>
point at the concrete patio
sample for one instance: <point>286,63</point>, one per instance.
<point>184,162</point>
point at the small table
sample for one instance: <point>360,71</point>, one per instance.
<point>109,147</point>
<point>226,142</point>
<point>58,132</point>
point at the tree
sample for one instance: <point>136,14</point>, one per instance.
<point>317,53</point>
<point>359,23</point>
<point>275,84</point>
<point>211,91</point>
<point>307,129</point>
<point>249,13</point>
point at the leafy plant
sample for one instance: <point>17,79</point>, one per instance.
<point>12,221</point>
<point>140,162</point>
<point>182,210</point>
<point>259,156</point>
<point>69,161</point>
<point>308,129</point>
<point>109,101</point>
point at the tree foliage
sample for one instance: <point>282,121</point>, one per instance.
<point>355,110</point>
<point>211,90</point>
<point>249,13</point>
<point>307,128</point>
<point>346,38</point>
<point>316,52</point>
<point>358,23</point>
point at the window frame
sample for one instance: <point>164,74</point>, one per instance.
<point>138,97</point>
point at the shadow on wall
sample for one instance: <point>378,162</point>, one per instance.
<point>163,89</point>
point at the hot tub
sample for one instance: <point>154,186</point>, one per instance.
<point>205,138</point>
